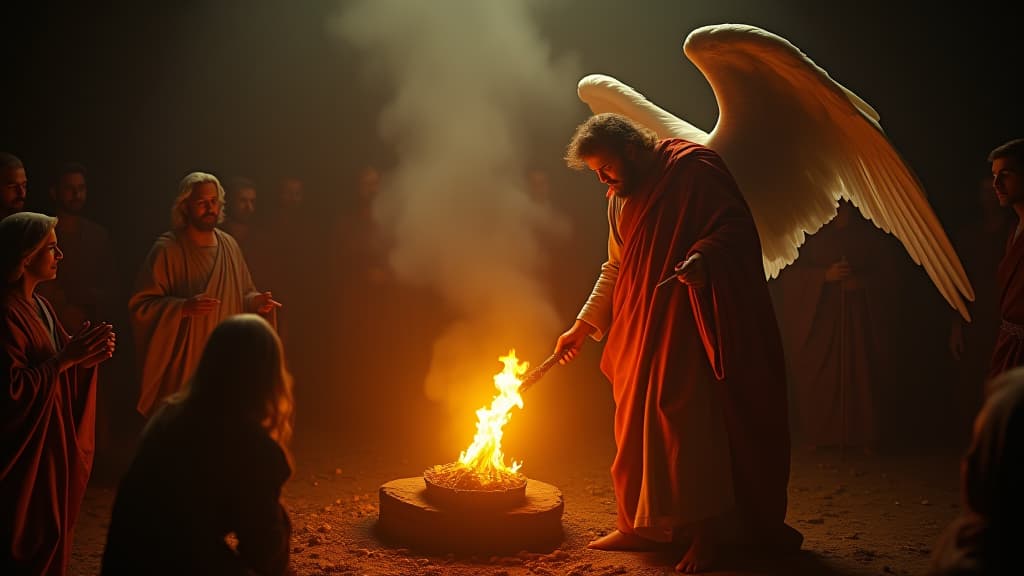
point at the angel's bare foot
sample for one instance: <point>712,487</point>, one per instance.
<point>616,540</point>
<point>700,556</point>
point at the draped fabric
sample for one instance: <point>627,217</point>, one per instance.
<point>698,373</point>
<point>1009,348</point>
<point>169,344</point>
<point>47,418</point>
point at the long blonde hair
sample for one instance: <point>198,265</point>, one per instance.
<point>179,212</point>
<point>242,377</point>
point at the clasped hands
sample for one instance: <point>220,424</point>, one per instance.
<point>92,344</point>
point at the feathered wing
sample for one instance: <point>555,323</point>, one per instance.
<point>797,141</point>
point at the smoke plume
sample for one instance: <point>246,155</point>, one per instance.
<point>468,78</point>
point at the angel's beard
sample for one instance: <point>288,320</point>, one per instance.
<point>627,182</point>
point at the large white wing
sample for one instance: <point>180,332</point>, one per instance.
<point>796,141</point>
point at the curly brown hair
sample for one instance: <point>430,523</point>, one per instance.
<point>607,131</point>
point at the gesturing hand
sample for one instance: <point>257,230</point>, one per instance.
<point>264,302</point>
<point>838,271</point>
<point>692,271</point>
<point>199,305</point>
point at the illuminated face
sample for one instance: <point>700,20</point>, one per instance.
<point>1008,181</point>
<point>243,204</point>
<point>613,170</point>
<point>42,265</point>
<point>13,187</point>
<point>71,192</point>
<point>204,207</point>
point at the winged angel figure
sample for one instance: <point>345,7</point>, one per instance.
<point>796,141</point>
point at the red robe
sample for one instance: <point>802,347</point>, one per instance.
<point>47,420</point>
<point>663,342</point>
<point>1009,349</point>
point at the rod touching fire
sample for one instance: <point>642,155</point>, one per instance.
<point>482,465</point>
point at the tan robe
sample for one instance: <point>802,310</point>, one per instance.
<point>168,344</point>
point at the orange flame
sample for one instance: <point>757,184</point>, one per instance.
<point>484,455</point>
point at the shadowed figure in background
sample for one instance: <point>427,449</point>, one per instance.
<point>981,243</point>
<point>1008,181</point>
<point>696,362</point>
<point>366,294</point>
<point>284,252</point>
<point>211,463</point>
<point>239,209</point>
<point>86,289</point>
<point>193,277</point>
<point>834,305</point>
<point>986,538</point>
<point>48,406</point>
<point>13,184</point>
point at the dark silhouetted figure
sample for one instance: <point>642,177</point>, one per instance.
<point>835,305</point>
<point>13,184</point>
<point>980,243</point>
<point>239,212</point>
<point>86,288</point>
<point>210,466</point>
<point>1008,181</point>
<point>986,538</point>
<point>47,407</point>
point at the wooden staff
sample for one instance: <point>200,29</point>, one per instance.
<point>537,373</point>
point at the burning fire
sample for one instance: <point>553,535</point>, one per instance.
<point>484,454</point>
<point>482,465</point>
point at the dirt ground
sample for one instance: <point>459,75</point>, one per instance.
<point>859,514</point>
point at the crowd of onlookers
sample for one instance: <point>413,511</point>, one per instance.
<point>219,318</point>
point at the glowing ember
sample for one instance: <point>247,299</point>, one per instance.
<point>482,465</point>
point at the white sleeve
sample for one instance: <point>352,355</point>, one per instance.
<point>597,311</point>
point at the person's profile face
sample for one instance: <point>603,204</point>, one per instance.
<point>612,169</point>
<point>42,265</point>
<point>1008,181</point>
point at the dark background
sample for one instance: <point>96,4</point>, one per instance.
<point>143,93</point>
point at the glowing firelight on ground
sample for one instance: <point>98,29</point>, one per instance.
<point>484,455</point>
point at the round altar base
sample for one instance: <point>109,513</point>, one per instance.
<point>408,518</point>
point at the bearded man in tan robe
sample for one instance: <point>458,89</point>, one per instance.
<point>194,277</point>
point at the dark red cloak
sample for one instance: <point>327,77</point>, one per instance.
<point>47,418</point>
<point>661,339</point>
<point>1009,348</point>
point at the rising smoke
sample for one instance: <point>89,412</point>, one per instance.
<point>468,77</point>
